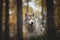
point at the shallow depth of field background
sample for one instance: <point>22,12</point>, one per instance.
<point>36,6</point>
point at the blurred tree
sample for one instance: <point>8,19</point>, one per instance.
<point>57,17</point>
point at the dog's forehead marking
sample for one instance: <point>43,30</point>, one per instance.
<point>30,16</point>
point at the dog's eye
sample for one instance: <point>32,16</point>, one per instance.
<point>32,19</point>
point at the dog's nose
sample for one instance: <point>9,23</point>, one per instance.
<point>31,22</point>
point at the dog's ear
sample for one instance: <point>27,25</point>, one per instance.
<point>26,14</point>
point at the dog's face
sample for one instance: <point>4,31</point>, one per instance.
<point>30,19</point>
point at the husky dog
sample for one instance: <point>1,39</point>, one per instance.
<point>32,25</point>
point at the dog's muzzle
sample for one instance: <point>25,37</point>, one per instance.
<point>31,24</point>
